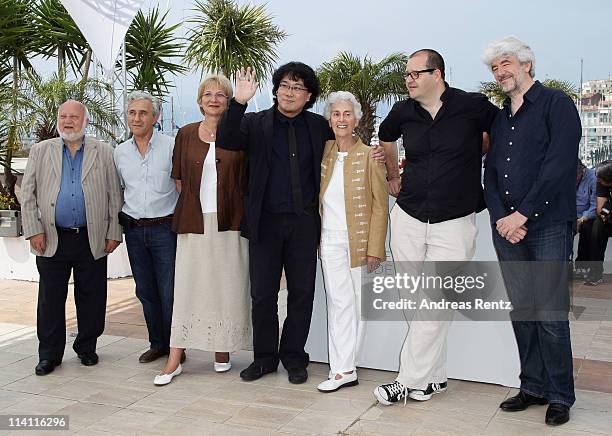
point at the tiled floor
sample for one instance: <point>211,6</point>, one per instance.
<point>117,396</point>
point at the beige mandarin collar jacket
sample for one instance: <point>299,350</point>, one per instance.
<point>366,199</point>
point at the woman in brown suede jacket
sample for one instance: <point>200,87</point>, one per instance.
<point>211,292</point>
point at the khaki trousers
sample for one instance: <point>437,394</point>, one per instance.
<point>423,356</point>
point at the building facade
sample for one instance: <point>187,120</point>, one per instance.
<point>595,107</point>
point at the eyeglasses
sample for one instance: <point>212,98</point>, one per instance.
<point>415,74</point>
<point>293,88</point>
<point>219,95</point>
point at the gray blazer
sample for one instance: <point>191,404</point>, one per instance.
<point>41,185</point>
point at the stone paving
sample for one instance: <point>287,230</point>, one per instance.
<point>117,397</point>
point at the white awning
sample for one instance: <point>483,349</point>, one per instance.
<point>104,24</point>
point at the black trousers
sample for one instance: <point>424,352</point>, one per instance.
<point>584,241</point>
<point>285,241</point>
<point>73,253</point>
<point>599,242</point>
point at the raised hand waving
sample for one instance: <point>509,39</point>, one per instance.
<point>246,86</point>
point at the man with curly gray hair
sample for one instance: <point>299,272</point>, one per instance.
<point>530,190</point>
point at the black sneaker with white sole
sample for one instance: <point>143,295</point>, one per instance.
<point>424,395</point>
<point>391,393</point>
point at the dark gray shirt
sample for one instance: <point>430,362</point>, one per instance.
<point>279,196</point>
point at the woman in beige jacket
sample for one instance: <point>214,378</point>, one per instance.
<point>354,203</point>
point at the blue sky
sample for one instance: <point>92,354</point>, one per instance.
<point>560,32</point>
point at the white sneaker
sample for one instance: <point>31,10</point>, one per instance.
<point>223,367</point>
<point>164,379</point>
<point>424,395</point>
<point>332,385</point>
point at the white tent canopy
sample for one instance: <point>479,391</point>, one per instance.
<point>104,24</point>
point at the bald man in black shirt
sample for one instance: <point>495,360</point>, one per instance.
<point>441,191</point>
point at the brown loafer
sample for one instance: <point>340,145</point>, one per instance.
<point>151,355</point>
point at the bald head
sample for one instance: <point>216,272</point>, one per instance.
<point>72,119</point>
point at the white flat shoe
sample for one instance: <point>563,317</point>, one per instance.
<point>223,367</point>
<point>332,385</point>
<point>164,379</point>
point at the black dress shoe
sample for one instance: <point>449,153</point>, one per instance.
<point>521,402</point>
<point>557,414</point>
<point>88,359</point>
<point>151,355</point>
<point>45,366</point>
<point>254,372</point>
<point>297,375</point>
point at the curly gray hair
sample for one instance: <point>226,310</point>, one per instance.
<point>510,46</point>
<point>339,96</point>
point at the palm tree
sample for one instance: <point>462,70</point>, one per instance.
<point>496,94</point>
<point>227,36</point>
<point>563,85</point>
<point>58,35</point>
<point>41,98</point>
<point>16,43</point>
<point>150,46</point>
<point>370,82</point>
<point>493,91</point>
<point>5,99</point>
<point>5,70</point>
<point>16,34</point>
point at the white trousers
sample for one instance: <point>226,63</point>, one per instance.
<point>343,292</point>
<point>423,356</point>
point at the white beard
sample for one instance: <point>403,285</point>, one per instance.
<point>74,136</point>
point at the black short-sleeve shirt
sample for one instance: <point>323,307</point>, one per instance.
<point>442,177</point>
<point>604,191</point>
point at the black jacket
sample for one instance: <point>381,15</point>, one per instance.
<point>253,132</point>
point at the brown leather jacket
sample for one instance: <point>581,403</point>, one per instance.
<point>187,164</point>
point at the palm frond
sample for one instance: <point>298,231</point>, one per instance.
<point>497,95</point>
<point>493,91</point>
<point>57,35</point>
<point>225,37</point>
<point>42,98</point>
<point>16,33</point>
<point>371,83</point>
<point>150,48</point>
<point>563,85</point>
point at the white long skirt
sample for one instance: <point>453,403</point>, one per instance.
<point>212,302</point>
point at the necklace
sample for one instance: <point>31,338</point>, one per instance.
<point>207,131</point>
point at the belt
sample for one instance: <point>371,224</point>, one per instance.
<point>153,221</point>
<point>73,230</point>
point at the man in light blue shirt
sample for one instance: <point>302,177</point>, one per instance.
<point>144,163</point>
<point>586,212</point>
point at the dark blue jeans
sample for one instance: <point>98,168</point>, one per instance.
<point>535,271</point>
<point>152,253</point>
